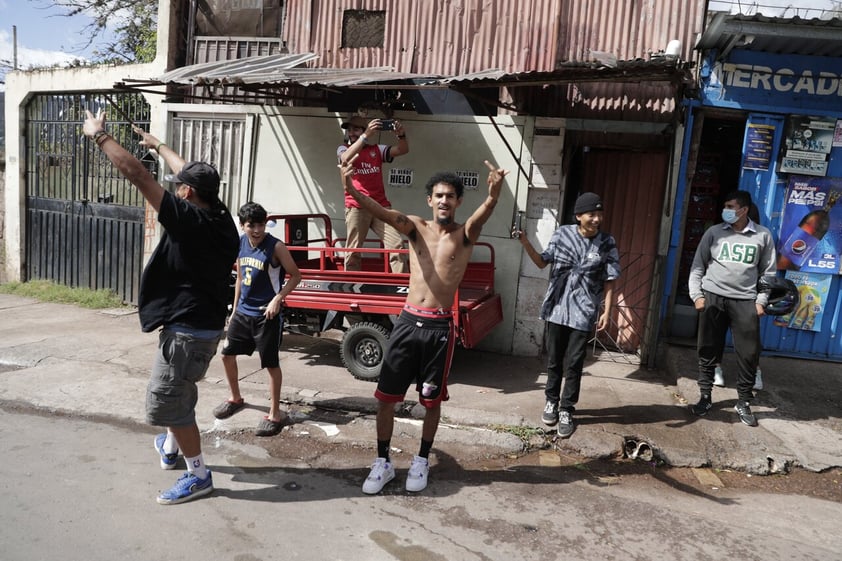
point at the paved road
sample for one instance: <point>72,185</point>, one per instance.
<point>96,364</point>
<point>77,489</point>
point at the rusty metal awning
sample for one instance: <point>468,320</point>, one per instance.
<point>277,70</point>
<point>657,69</point>
<point>244,70</point>
<point>285,70</point>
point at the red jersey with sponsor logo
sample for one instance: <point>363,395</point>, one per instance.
<point>368,173</point>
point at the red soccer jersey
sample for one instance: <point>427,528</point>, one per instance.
<point>368,174</point>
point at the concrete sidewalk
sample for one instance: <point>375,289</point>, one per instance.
<point>95,364</point>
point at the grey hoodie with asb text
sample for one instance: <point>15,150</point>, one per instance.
<point>728,263</point>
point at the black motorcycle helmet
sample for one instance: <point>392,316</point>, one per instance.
<point>783,294</point>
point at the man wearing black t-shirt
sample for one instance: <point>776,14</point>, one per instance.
<point>184,292</point>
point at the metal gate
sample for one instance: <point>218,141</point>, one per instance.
<point>219,140</point>
<point>632,184</point>
<point>84,221</point>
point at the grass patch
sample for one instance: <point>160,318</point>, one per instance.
<point>522,432</point>
<point>48,291</point>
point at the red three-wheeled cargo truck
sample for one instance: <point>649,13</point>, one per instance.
<point>363,304</point>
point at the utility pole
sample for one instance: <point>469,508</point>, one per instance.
<point>14,47</point>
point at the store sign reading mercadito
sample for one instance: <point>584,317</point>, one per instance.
<point>755,79</point>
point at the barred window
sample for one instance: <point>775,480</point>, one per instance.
<point>363,28</point>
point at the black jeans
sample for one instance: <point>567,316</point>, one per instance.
<point>566,349</point>
<point>719,314</point>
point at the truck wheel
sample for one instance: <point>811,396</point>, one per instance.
<point>362,350</point>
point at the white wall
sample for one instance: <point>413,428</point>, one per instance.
<point>293,167</point>
<point>295,171</point>
<point>542,214</point>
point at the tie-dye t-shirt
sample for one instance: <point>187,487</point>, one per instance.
<point>580,268</point>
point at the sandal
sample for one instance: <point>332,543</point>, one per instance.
<point>268,427</point>
<point>228,408</point>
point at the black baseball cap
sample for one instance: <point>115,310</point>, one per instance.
<point>199,175</point>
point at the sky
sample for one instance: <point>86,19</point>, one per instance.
<point>773,8</point>
<point>44,36</point>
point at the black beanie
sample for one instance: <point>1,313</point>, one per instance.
<point>587,202</point>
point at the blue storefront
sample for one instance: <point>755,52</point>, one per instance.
<point>768,120</point>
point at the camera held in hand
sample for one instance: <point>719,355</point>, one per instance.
<point>387,124</point>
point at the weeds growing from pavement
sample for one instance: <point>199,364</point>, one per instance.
<point>524,433</point>
<point>47,291</point>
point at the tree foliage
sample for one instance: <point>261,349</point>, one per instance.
<point>132,25</point>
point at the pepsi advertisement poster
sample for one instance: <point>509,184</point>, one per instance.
<point>811,229</point>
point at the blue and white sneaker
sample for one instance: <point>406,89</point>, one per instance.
<point>167,460</point>
<point>187,488</point>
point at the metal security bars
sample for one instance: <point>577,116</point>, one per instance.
<point>84,221</point>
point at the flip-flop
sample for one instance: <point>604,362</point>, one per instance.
<point>228,408</point>
<point>268,427</point>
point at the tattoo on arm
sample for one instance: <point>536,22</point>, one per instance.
<point>402,219</point>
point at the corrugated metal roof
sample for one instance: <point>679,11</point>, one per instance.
<point>660,69</point>
<point>460,37</point>
<point>629,29</point>
<point>245,69</point>
<point>432,37</point>
<point>798,36</point>
<point>279,70</point>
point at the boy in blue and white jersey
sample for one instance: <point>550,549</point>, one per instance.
<point>257,317</point>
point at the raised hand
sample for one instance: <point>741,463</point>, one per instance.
<point>93,125</point>
<point>147,139</point>
<point>346,171</point>
<point>495,179</point>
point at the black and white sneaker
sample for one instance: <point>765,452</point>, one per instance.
<point>550,416</point>
<point>746,416</point>
<point>565,424</point>
<point>701,409</point>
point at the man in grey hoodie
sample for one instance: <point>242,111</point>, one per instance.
<point>723,286</point>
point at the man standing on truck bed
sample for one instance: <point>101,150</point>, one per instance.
<point>368,164</point>
<point>422,341</point>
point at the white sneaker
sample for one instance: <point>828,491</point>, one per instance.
<point>416,479</point>
<point>718,377</point>
<point>381,473</point>
<point>758,381</point>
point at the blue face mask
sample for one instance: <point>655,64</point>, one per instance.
<point>729,215</point>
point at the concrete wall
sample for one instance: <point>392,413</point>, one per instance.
<point>542,214</point>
